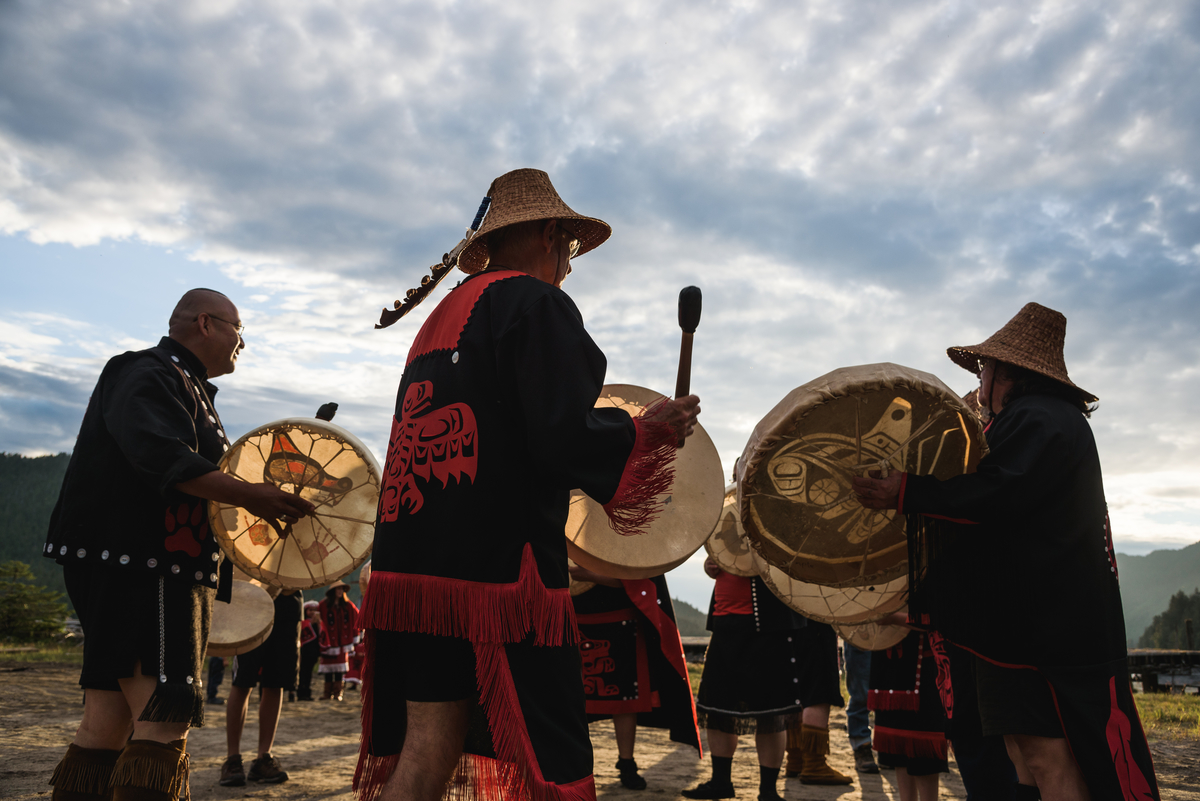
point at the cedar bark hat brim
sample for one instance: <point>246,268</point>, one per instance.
<point>526,195</point>
<point>1033,339</point>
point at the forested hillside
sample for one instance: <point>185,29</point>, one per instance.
<point>1169,630</point>
<point>1148,582</point>
<point>28,490</point>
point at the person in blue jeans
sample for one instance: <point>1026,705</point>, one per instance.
<point>858,719</point>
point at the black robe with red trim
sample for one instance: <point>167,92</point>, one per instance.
<point>1027,578</point>
<point>494,427</point>
<point>633,658</point>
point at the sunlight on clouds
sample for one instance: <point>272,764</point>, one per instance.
<point>1136,500</point>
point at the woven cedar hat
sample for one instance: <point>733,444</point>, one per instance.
<point>521,196</point>
<point>1033,339</point>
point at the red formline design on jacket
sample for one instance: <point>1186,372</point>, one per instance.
<point>426,443</point>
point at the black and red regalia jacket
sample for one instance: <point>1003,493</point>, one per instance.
<point>495,425</point>
<point>1027,579</point>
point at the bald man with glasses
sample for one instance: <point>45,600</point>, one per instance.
<point>141,567</point>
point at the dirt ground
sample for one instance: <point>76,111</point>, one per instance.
<point>317,744</point>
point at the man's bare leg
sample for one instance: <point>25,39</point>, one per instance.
<point>106,721</point>
<point>1053,769</point>
<point>626,728</point>
<point>433,743</point>
<point>137,691</point>
<point>269,705</point>
<point>235,718</point>
<point>1014,755</point>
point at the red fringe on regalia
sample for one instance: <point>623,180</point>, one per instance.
<point>488,615</point>
<point>930,744</point>
<point>648,474</point>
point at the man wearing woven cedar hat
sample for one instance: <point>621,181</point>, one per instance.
<point>1026,578</point>
<point>472,647</point>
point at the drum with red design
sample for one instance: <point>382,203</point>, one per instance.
<point>322,463</point>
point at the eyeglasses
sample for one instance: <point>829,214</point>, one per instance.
<point>982,363</point>
<point>239,327</point>
<point>573,247</point>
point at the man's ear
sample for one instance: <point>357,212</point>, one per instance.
<point>548,232</point>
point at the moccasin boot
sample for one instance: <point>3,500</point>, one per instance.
<point>83,774</point>
<point>814,747</point>
<point>337,691</point>
<point>794,762</point>
<point>148,770</point>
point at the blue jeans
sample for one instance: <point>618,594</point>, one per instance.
<point>858,675</point>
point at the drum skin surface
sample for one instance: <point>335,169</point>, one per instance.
<point>795,496</point>
<point>844,605</point>
<point>727,545</point>
<point>686,515</point>
<point>244,623</point>
<point>322,463</point>
<point>872,636</point>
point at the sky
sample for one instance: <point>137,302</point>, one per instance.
<point>848,183</point>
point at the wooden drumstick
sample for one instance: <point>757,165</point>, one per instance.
<point>689,317</point>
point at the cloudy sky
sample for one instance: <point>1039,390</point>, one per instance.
<point>847,182</point>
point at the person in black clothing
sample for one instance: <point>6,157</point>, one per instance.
<point>272,666</point>
<point>764,665</point>
<point>131,531</point>
<point>1025,575</point>
<point>468,619</point>
<point>634,669</point>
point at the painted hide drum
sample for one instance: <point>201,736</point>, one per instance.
<point>685,518</point>
<point>578,587</point>
<point>795,496</point>
<point>846,605</point>
<point>872,636</point>
<point>321,462</point>
<point>727,545</point>
<point>244,623</point>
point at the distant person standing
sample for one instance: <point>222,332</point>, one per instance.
<point>131,531</point>
<point>762,669</point>
<point>339,633</point>
<point>858,717</point>
<point>310,649</point>
<point>273,665</point>
<point>634,669</point>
